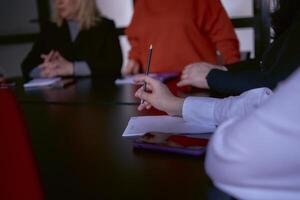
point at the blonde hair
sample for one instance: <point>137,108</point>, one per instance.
<point>87,15</point>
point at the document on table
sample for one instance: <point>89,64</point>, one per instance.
<point>158,76</point>
<point>138,126</point>
<point>41,82</point>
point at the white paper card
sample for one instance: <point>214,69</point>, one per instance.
<point>126,80</point>
<point>41,82</point>
<point>165,124</point>
<point>158,76</point>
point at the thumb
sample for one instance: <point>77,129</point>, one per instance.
<point>136,69</point>
<point>183,83</point>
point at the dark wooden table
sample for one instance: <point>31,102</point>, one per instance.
<point>76,133</point>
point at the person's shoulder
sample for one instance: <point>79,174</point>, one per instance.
<point>103,26</point>
<point>105,22</point>
<point>48,25</point>
<point>296,21</point>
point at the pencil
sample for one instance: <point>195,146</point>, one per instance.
<point>148,69</point>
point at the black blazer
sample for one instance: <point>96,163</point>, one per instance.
<point>98,46</point>
<point>279,61</point>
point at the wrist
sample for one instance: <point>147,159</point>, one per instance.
<point>175,106</point>
<point>71,69</point>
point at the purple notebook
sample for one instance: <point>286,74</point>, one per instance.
<point>171,143</point>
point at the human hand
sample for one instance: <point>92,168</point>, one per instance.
<point>56,65</point>
<point>49,57</point>
<point>159,96</point>
<point>132,67</point>
<point>195,74</point>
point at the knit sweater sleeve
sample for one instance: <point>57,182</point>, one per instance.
<point>221,32</point>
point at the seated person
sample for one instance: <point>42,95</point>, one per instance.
<point>212,111</point>
<point>254,152</point>
<point>80,43</point>
<point>279,61</point>
<point>181,32</point>
<point>256,156</point>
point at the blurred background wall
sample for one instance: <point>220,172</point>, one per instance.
<point>19,26</point>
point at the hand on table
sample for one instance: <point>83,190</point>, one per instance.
<point>56,65</point>
<point>132,67</point>
<point>195,74</point>
<point>159,96</point>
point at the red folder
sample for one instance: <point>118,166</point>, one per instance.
<point>18,173</point>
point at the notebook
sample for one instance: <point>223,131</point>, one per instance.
<point>138,126</point>
<point>42,82</point>
<point>158,76</point>
<point>170,143</point>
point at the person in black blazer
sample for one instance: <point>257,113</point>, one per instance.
<point>79,43</point>
<point>279,61</point>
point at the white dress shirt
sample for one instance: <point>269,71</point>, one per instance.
<point>257,156</point>
<point>214,111</point>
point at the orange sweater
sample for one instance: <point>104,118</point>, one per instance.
<point>182,32</point>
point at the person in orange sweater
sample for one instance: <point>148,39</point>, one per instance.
<point>181,32</point>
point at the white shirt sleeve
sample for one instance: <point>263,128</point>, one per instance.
<point>258,156</point>
<point>214,111</point>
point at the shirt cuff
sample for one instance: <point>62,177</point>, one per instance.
<point>35,72</point>
<point>81,68</point>
<point>199,110</point>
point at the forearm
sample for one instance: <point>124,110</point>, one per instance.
<point>35,72</point>
<point>81,68</point>
<point>215,111</point>
<point>174,107</point>
<point>229,82</point>
<point>243,147</point>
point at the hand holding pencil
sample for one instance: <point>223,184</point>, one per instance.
<point>158,95</point>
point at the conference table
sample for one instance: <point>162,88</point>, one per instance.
<point>76,135</point>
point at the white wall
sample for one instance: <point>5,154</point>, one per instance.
<point>238,8</point>
<point>15,16</point>
<point>242,8</point>
<point>121,12</point>
<point>11,57</point>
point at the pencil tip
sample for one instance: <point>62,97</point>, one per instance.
<point>151,46</point>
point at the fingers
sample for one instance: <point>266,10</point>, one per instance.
<point>143,78</point>
<point>183,82</point>
<point>187,71</point>
<point>144,105</point>
<point>223,68</point>
<point>126,71</point>
<point>52,56</point>
<point>132,67</point>
<point>184,76</point>
<point>48,73</point>
<point>48,57</point>
<point>140,93</point>
<point>49,65</point>
<point>136,69</point>
<point>49,69</point>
